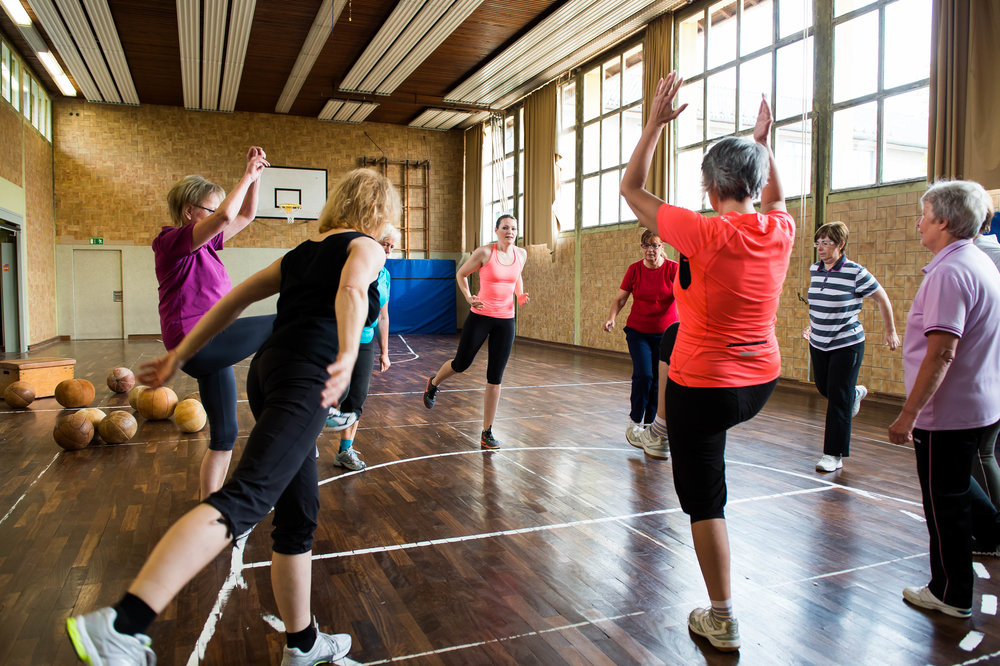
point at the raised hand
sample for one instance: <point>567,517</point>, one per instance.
<point>762,129</point>
<point>662,109</point>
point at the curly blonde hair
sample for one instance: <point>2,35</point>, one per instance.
<point>189,190</point>
<point>364,200</point>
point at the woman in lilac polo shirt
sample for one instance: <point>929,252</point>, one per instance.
<point>192,278</point>
<point>950,355</point>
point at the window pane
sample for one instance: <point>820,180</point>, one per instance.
<point>855,49</point>
<point>793,155</point>
<point>631,130</point>
<point>609,197</point>
<point>841,7</point>
<point>632,84</point>
<point>907,42</point>
<point>592,93</point>
<point>722,34</point>
<point>611,87</point>
<point>508,134</point>
<point>757,30</point>
<point>591,201</point>
<point>15,84</point>
<point>691,45</point>
<point>793,16</point>
<point>795,79</point>
<point>690,122</point>
<point>566,206</point>
<point>508,181</point>
<point>755,80</point>
<point>25,93</point>
<point>904,146</point>
<point>689,193</point>
<point>610,150</point>
<point>722,103</point>
<point>5,72</point>
<point>567,148</point>
<point>567,105</point>
<point>854,133</point>
<point>591,148</point>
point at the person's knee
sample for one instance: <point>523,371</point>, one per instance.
<point>293,536</point>
<point>460,367</point>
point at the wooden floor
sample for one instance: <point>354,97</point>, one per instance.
<point>565,547</point>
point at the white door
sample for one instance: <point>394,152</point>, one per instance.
<point>97,295</point>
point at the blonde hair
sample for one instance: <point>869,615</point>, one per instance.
<point>189,190</point>
<point>364,200</point>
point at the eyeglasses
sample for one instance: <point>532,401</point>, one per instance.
<point>651,246</point>
<point>824,243</point>
<point>210,210</point>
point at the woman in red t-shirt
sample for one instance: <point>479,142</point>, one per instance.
<point>650,284</point>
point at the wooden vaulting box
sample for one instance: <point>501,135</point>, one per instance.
<point>42,372</point>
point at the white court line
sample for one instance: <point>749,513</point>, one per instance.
<point>980,570</point>
<point>30,485</point>
<point>971,641</point>
<point>915,517</point>
<point>233,580</point>
<point>507,388</point>
<point>989,605</point>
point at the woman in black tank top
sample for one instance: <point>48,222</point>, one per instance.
<point>325,299</point>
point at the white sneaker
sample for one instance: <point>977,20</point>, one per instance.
<point>350,460</point>
<point>923,597</point>
<point>98,643</point>
<point>859,394</point>
<point>632,433</point>
<point>654,445</point>
<point>337,420</point>
<point>829,464</point>
<point>328,648</point>
<point>724,635</point>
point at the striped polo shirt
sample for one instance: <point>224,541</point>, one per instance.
<point>835,301</point>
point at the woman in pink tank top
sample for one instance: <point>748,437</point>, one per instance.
<point>491,317</point>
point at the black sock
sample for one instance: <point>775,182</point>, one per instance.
<point>303,640</point>
<point>134,615</point>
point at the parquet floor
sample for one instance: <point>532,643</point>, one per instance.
<point>565,547</point>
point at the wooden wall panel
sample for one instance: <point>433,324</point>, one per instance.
<point>40,273</point>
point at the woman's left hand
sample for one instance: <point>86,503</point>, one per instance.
<point>662,109</point>
<point>384,362</point>
<point>891,340</point>
<point>338,381</point>
<point>901,430</point>
<point>158,371</point>
<point>522,298</point>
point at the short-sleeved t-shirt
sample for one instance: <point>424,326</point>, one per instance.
<point>652,289</point>
<point>190,282</point>
<point>960,295</point>
<point>835,299</point>
<point>368,332</point>
<point>737,264</point>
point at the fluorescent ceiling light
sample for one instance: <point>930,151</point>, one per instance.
<point>111,46</point>
<point>79,27</point>
<point>15,10</point>
<point>213,36</point>
<point>50,20</point>
<point>240,21</point>
<point>440,119</point>
<point>319,33</point>
<point>189,38</point>
<point>346,111</point>
<point>58,75</point>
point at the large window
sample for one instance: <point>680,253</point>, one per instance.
<point>503,171</point>
<point>566,161</point>
<point>730,53</point>
<point>22,91</point>
<point>880,113</point>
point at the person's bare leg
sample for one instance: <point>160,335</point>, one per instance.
<point>711,544</point>
<point>191,543</point>
<point>291,581</point>
<point>443,373</point>
<point>350,431</point>
<point>661,395</point>
<point>214,468</point>
<point>491,400</point>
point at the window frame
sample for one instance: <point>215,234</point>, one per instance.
<point>515,153</point>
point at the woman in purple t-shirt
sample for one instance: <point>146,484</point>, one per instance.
<point>192,278</point>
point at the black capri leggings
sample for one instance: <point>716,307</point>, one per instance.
<point>361,379</point>
<point>697,421</point>
<point>667,342</point>
<point>212,366</point>
<point>474,333</point>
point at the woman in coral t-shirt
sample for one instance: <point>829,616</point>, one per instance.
<point>725,361</point>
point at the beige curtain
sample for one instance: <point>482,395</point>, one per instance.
<point>540,166</point>
<point>473,187</point>
<point>657,52</point>
<point>963,140</point>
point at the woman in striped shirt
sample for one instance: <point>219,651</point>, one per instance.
<point>836,339</point>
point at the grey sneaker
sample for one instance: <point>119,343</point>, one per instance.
<point>724,635</point>
<point>350,460</point>
<point>923,597</point>
<point>97,643</point>
<point>328,648</point>
<point>633,433</point>
<point>337,420</point>
<point>829,463</point>
<point>859,394</point>
<point>654,445</point>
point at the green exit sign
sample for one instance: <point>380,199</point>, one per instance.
<point>97,241</point>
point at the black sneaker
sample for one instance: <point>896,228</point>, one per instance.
<point>430,393</point>
<point>488,441</point>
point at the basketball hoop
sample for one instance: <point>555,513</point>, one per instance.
<point>290,209</point>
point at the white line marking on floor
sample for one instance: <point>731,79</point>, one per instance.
<point>275,622</point>
<point>981,658</point>
<point>233,580</point>
<point>507,388</point>
<point>971,641</point>
<point>989,605</point>
<point>916,517</point>
<point>30,485</point>
<point>980,570</point>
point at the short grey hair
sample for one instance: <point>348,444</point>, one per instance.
<point>962,204</point>
<point>735,169</point>
<point>391,232</point>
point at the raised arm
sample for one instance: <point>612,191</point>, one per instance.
<point>478,259</point>
<point>885,307</point>
<point>255,288</point>
<point>772,197</point>
<point>248,211</point>
<point>235,202</point>
<point>365,257</point>
<point>633,186</point>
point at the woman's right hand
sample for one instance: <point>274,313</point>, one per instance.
<point>256,161</point>
<point>662,109</point>
<point>158,371</point>
<point>762,129</point>
<point>475,302</point>
<point>609,325</point>
<point>807,332</point>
